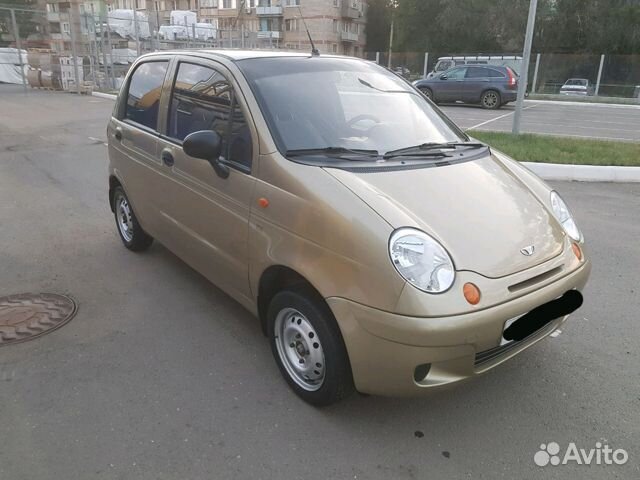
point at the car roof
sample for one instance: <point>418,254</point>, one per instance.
<point>239,54</point>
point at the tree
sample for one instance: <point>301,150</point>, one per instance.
<point>498,26</point>
<point>27,21</point>
<point>378,25</point>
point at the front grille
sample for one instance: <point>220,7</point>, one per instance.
<point>488,355</point>
<point>537,279</point>
<point>496,352</point>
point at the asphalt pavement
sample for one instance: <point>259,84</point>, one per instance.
<point>599,121</point>
<point>162,376</point>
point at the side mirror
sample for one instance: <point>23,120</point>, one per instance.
<point>207,145</point>
<point>443,77</point>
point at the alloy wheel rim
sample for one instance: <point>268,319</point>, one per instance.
<point>124,217</point>
<point>299,349</point>
<point>490,99</point>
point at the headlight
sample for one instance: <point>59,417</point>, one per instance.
<point>421,260</point>
<point>562,213</point>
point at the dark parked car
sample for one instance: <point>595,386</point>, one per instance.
<point>490,86</point>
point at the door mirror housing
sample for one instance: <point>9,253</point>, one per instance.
<point>443,77</point>
<point>206,145</point>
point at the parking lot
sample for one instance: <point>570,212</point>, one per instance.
<point>608,122</point>
<point>162,376</point>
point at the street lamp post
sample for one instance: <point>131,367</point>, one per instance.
<point>393,4</point>
<point>524,74</point>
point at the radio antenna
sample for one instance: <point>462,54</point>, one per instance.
<point>314,50</point>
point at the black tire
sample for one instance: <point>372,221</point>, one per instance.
<point>131,233</point>
<point>490,100</point>
<point>337,379</point>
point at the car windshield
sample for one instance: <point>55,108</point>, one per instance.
<point>577,82</point>
<point>316,103</point>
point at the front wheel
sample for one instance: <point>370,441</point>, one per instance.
<point>308,347</point>
<point>490,100</point>
<point>427,92</point>
<point>131,233</point>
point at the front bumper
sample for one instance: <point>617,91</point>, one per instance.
<point>456,347</point>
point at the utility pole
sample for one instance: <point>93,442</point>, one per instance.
<point>136,30</point>
<point>393,14</point>
<point>16,34</point>
<point>74,53</point>
<point>110,47</point>
<point>103,49</point>
<point>526,56</point>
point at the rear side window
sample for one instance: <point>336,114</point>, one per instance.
<point>477,72</point>
<point>495,73</point>
<point>143,97</point>
<point>203,99</point>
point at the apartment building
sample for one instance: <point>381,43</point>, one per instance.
<point>336,26</point>
<point>66,22</point>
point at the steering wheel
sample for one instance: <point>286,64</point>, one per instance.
<point>362,118</point>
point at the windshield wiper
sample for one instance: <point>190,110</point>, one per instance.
<point>427,149</point>
<point>331,151</point>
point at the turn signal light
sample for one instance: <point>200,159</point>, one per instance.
<point>576,250</point>
<point>471,293</point>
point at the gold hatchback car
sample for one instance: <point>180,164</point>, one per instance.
<point>381,248</point>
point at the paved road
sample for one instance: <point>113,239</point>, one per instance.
<point>162,376</point>
<point>612,122</point>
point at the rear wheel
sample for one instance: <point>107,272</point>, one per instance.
<point>308,347</point>
<point>131,233</point>
<point>490,100</point>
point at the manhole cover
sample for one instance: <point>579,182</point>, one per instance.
<point>27,316</point>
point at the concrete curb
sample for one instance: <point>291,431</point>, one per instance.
<point>584,173</point>
<point>583,104</point>
<point>550,171</point>
<point>108,96</point>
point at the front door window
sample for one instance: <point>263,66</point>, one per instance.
<point>203,99</point>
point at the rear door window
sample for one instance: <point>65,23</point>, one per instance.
<point>477,72</point>
<point>143,96</point>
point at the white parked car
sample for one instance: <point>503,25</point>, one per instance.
<point>577,86</point>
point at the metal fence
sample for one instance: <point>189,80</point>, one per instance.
<point>81,50</point>
<point>611,75</point>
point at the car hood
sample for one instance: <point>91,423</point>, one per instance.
<point>479,210</point>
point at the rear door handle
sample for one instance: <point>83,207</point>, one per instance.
<point>118,133</point>
<point>167,158</point>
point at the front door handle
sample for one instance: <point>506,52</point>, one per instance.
<point>167,158</point>
<point>118,133</point>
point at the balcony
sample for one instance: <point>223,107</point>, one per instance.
<point>349,12</point>
<point>60,36</point>
<point>275,10</point>
<point>349,36</point>
<point>269,34</point>
<point>53,17</point>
